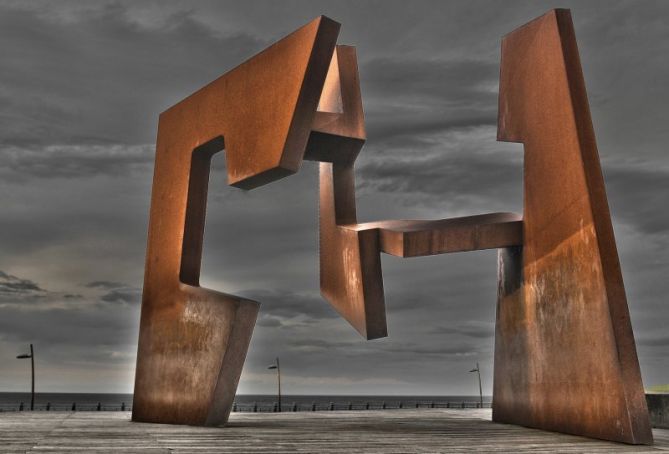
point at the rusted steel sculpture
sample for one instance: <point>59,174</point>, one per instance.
<point>193,341</point>
<point>565,358</point>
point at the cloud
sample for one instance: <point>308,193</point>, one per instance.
<point>123,295</point>
<point>280,304</point>
<point>62,76</point>
<point>636,194</point>
<point>117,292</point>
<point>414,97</point>
<point>14,290</point>
<point>74,161</point>
<point>12,285</point>
<point>107,285</point>
<point>439,170</point>
<point>469,328</point>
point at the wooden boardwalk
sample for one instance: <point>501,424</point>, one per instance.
<point>389,431</point>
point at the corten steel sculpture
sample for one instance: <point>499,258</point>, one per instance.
<point>564,350</point>
<point>565,358</point>
<point>193,341</point>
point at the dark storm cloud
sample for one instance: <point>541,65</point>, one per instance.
<point>433,81</point>
<point>67,329</point>
<point>74,161</point>
<point>13,288</point>
<point>117,292</point>
<point>282,304</point>
<point>123,295</point>
<point>444,175</point>
<point>82,324</point>
<point>413,97</point>
<point>472,328</point>
<point>104,285</point>
<point>62,76</point>
<point>636,195</point>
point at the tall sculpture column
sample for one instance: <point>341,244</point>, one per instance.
<point>565,358</point>
<point>193,341</point>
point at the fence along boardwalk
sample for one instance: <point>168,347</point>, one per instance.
<point>392,431</point>
<point>263,406</point>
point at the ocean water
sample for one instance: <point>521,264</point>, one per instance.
<point>244,402</point>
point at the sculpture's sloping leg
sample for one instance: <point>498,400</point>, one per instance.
<point>565,358</point>
<point>350,260</point>
<point>193,341</point>
<point>350,265</point>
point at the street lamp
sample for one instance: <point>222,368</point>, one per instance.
<point>278,378</point>
<point>32,363</point>
<point>478,370</point>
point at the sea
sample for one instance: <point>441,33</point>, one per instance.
<point>243,402</point>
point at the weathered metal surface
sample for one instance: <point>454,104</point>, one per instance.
<point>565,358</point>
<point>193,341</point>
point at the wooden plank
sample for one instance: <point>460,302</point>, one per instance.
<point>389,431</point>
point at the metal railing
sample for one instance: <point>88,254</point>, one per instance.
<point>263,407</point>
<point>88,406</point>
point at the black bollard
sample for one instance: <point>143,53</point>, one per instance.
<point>122,406</point>
<point>74,406</point>
<point>21,407</point>
<point>255,407</point>
<point>99,406</point>
<point>48,406</point>
<point>331,406</point>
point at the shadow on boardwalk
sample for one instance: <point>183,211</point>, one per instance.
<point>392,431</point>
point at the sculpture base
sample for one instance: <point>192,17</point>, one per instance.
<point>189,363</point>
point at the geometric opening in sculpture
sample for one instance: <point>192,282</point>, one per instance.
<point>196,209</point>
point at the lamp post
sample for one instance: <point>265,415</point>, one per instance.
<point>478,370</point>
<point>278,378</point>
<point>32,364</point>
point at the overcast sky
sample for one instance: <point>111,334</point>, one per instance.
<point>81,87</point>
